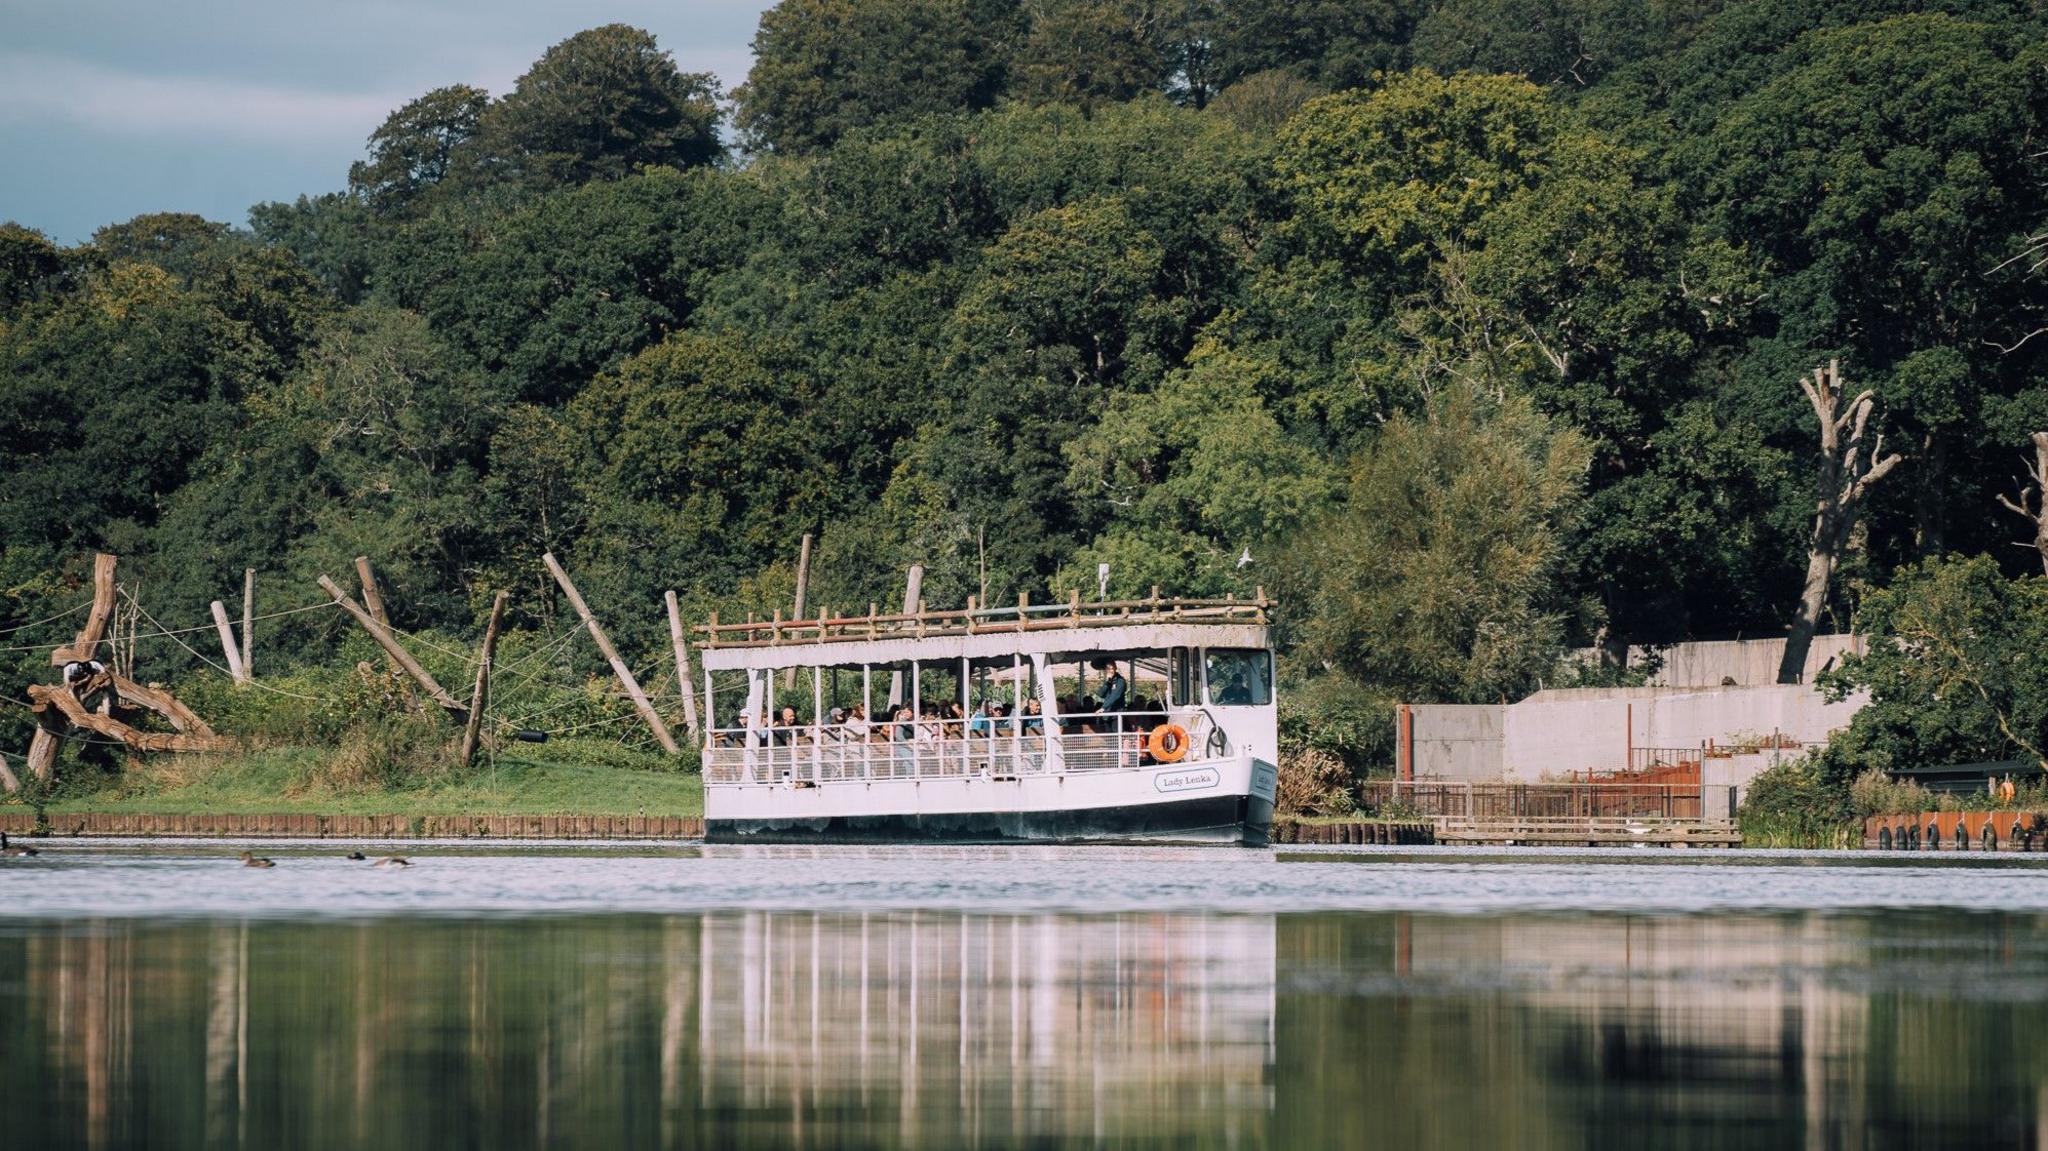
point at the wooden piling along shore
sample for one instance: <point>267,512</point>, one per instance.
<point>1360,831</point>
<point>23,823</point>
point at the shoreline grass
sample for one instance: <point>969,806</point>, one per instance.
<point>286,781</point>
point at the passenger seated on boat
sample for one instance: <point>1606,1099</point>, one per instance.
<point>978,724</point>
<point>901,732</point>
<point>1034,721</point>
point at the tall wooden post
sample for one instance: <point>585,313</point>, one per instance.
<point>803,579</point>
<point>393,649</point>
<point>248,620</point>
<point>473,730</point>
<point>684,686</point>
<point>619,668</point>
<point>913,586</point>
<point>227,643</point>
<point>373,599</point>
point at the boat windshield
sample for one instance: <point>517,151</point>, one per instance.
<point>1239,676</point>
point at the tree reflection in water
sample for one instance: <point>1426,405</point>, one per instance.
<point>934,1029</point>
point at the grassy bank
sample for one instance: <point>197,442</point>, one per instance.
<point>289,781</point>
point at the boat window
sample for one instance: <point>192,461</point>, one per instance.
<point>1239,676</point>
<point>1182,671</point>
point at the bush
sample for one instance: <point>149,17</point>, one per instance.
<point>1875,793</point>
<point>1793,805</point>
<point>1313,782</point>
<point>391,754</point>
<point>1332,714</point>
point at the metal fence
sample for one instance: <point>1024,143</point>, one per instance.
<point>1533,800</point>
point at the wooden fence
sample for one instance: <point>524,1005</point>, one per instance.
<point>1473,801</point>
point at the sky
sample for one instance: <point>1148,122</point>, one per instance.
<point>113,108</point>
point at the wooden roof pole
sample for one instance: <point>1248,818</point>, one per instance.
<point>619,668</point>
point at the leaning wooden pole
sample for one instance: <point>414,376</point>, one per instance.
<point>684,683</point>
<point>393,648</point>
<point>236,668</point>
<point>248,620</point>
<point>472,732</point>
<point>619,668</point>
<point>803,579</point>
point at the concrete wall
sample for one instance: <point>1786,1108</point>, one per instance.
<point>1554,733</point>
<point>1459,742</point>
<point>1749,662</point>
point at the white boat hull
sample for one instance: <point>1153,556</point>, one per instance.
<point>1210,801</point>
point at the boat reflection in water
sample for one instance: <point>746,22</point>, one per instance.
<point>937,1029</point>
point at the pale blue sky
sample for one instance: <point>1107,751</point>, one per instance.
<point>112,108</point>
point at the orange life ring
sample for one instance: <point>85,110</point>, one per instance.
<point>1169,743</point>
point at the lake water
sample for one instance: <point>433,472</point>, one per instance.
<point>163,995</point>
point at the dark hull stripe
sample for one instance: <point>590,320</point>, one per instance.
<point>1234,819</point>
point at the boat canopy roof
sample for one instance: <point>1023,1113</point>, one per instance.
<point>986,633</point>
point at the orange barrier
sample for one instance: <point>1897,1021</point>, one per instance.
<point>1958,831</point>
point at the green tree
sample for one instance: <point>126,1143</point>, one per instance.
<point>1337,43</point>
<point>1877,171</point>
<point>825,67</point>
<point>1195,476</point>
<point>1572,43</point>
<point>1442,576</point>
<point>698,468</point>
<point>1953,669</point>
<point>1087,52</point>
<point>599,106</point>
<point>416,147</point>
<point>30,265</point>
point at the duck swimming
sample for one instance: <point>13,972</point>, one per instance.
<point>5,849</point>
<point>356,856</point>
<point>249,860</point>
<point>393,861</point>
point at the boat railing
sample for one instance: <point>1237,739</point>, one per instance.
<point>948,749</point>
<point>976,618</point>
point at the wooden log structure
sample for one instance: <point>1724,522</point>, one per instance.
<point>47,698</point>
<point>395,650</point>
<point>48,740</point>
<point>86,645</point>
<point>619,668</point>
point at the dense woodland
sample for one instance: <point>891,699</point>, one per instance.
<point>1471,329</point>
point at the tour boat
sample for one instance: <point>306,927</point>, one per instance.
<point>1134,721</point>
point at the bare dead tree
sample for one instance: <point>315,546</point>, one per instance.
<point>1842,481</point>
<point>2032,505</point>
